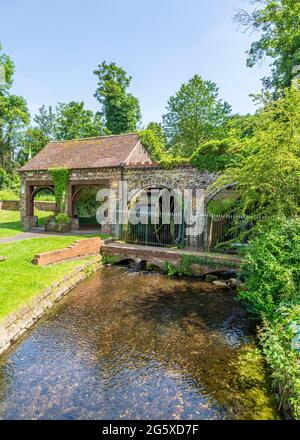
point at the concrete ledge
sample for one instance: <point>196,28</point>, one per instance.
<point>79,249</point>
<point>17,323</point>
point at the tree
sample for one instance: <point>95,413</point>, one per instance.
<point>278,22</point>
<point>120,109</point>
<point>33,141</point>
<point>73,121</point>
<point>14,115</point>
<point>45,122</point>
<point>194,116</point>
<point>268,170</point>
<point>158,131</point>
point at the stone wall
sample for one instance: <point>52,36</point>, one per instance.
<point>14,205</point>
<point>16,324</point>
<point>80,248</point>
<point>138,177</point>
<point>159,256</point>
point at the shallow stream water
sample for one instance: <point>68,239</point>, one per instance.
<point>135,345</point>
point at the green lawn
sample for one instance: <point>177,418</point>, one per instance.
<point>10,224</point>
<point>20,280</point>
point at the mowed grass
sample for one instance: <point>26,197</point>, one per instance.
<point>20,280</point>
<point>10,224</point>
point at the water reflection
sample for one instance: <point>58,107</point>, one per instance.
<point>134,345</point>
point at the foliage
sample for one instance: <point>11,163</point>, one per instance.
<point>184,266</point>
<point>271,267</point>
<point>45,122</point>
<point>120,109</point>
<point>110,259</point>
<point>194,116</point>
<point>73,121</point>
<point>8,194</point>
<point>4,178</point>
<point>33,141</point>
<point>6,66</point>
<point>267,165</point>
<point>276,338</point>
<point>62,219</point>
<point>213,156</point>
<point>158,131</point>
<point>152,143</point>
<point>60,177</point>
<point>278,22</point>
<point>156,150</point>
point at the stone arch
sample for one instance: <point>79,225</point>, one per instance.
<point>210,195</point>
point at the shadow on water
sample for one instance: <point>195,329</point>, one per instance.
<point>136,345</point>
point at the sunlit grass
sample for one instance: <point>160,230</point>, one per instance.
<point>10,224</point>
<point>20,280</point>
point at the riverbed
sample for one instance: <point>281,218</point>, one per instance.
<point>138,345</point>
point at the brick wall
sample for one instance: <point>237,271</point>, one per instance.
<point>80,248</point>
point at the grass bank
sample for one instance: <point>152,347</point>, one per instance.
<point>20,279</point>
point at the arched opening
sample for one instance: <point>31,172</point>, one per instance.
<point>85,205</point>
<point>43,204</point>
<point>155,218</point>
<point>223,226</point>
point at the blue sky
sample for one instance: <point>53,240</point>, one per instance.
<point>161,43</point>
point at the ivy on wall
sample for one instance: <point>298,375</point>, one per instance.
<point>60,177</point>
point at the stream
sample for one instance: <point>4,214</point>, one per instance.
<point>138,345</point>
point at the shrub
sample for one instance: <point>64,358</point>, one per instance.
<point>213,156</point>
<point>62,219</point>
<point>280,344</point>
<point>271,267</point>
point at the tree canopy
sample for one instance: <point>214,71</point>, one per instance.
<point>120,109</point>
<point>278,23</point>
<point>194,116</point>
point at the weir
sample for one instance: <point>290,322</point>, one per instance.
<point>201,263</point>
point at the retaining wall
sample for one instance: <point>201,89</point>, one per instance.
<point>80,248</point>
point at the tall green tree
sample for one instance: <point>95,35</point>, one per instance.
<point>73,121</point>
<point>33,141</point>
<point>14,115</point>
<point>278,23</point>
<point>120,109</point>
<point>45,120</point>
<point>194,116</point>
<point>267,171</point>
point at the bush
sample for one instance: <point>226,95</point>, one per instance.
<point>213,156</point>
<point>280,340</point>
<point>62,219</point>
<point>4,179</point>
<point>271,267</point>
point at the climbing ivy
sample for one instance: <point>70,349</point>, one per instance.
<point>60,177</point>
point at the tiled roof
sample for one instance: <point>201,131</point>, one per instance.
<point>100,152</point>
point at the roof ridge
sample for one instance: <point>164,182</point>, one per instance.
<point>93,137</point>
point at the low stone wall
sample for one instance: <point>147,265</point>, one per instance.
<point>208,263</point>
<point>45,206</point>
<point>10,205</point>
<point>14,205</point>
<point>16,324</point>
<point>80,248</point>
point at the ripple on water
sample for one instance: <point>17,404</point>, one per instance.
<point>126,345</point>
